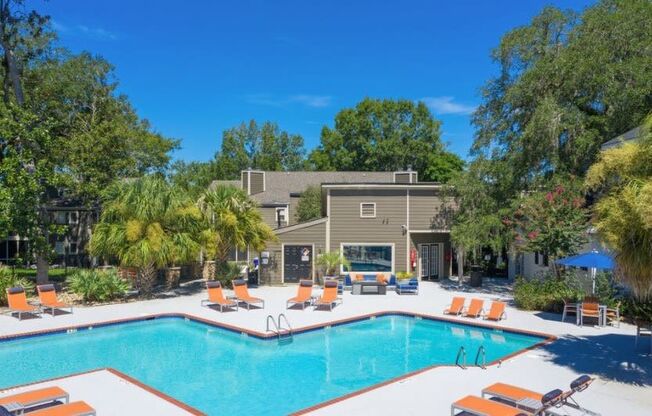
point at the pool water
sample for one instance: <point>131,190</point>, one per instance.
<point>221,372</point>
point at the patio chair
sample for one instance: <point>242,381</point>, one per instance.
<point>590,310</point>
<point>408,286</point>
<point>304,295</point>
<point>21,402</point>
<point>613,315</point>
<point>216,296</point>
<point>47,295</point>
<point>479,406</point>
<point>242,294</point>
<point>531,400</point>
<point>475,308</point>
<point>570,307</point>
<point>329,296</point>
<point>17,302</point>
<point>70,409</point>
<point>456,307</point>
<point>496,311</point>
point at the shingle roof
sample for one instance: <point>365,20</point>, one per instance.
<point>279,185</point>
<point>633,134</point>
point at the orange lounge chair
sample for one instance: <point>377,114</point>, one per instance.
<point>216,296</point>
<point>475,308</point>
<point>47,296</point>
<point>515,395</point>
<point>242,294</point>
<point>329,296</point>
<point>303,297</point>
<point>20,402</point>
<point>456,307</point>
<point>70,409</point>
<point>472,405</point>
<point>496,312</point>
<point>17,302</point>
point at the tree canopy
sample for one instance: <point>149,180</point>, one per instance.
<point>264,147</point>
<point>385,135</point>
<point>567,83</point>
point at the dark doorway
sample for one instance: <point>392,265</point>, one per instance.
<point>297,263</point>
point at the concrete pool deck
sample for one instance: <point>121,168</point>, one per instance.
<point>624,375</point>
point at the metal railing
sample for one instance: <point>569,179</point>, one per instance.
<point>481,353</point>
<point>461,353</point>
<point>277,326</point>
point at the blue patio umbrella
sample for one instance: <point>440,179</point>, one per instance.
<point>593,260</point>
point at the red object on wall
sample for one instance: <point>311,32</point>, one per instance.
<point>413,259</point>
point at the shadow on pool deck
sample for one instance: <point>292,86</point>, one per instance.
<point>490,286</point>
<point>611,356</point>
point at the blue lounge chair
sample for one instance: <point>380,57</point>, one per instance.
<point>408,286</point>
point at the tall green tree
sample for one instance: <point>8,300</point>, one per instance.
<point>65,127</point>
<point>148,224</point>
<point>232,220</point>
<point>309,205</point>
<point>567,82</point>
<point>193,177</point>
<point>622,182</point>
<point>265,147</point>
<point>385,135</point>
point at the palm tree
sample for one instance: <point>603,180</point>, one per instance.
<point>231,220</point>
<point>147,224</point>
<point>622,177</point>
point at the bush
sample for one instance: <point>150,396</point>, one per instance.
<point>9,279</point>
<point>546,293</point>
<point>226,272</point>
<point>97,285</point>
<point>636,309</point>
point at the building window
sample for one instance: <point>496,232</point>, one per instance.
<point>369,257</point>
<point>72,249</point>
<point>368,210</point>
<point>60,248</point>
<point>73,217</point>
<point>60,217</point>
<point>536,258</point>
<point>282,216</point>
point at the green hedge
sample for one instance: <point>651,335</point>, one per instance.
<point>10,279</point>
<point>97,285</point>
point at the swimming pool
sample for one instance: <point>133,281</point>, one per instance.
<point>219,371</point>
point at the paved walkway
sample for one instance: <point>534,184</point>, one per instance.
<point>624,385</point>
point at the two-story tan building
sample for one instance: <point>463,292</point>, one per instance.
<point>383,222</point>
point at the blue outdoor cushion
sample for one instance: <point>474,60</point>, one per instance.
<point>4,412</point>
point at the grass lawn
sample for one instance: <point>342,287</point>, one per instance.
<point>55,275</point>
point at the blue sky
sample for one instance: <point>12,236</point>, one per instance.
<point>195,68</point>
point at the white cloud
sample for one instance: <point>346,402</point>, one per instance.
<point>312,100</point>
<point>316,101</point>
<point>447,105</point>
<point>85,31</point>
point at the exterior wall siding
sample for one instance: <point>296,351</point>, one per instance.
<point>294,201</point>
<point>315,234</point>
<point>269,216</point>
<point>391,212</point>
<point>430,211</point>
<point>257,182</point>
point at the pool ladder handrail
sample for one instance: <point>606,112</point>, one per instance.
<point>481,352</point>
<point>461,352</point>
<point>278,327</point>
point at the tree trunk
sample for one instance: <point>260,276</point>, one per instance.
<point>42,268</point>
<point>460,265</point>
<point>12,73</point>
<point>147,279</point>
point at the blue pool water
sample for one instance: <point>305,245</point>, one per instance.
<point>222,372</point>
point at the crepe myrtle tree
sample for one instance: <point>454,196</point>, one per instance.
<point>552,222</point>
<point>147,224</point>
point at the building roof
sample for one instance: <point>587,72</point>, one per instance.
<point>279,185</point>
<point>633,134</point>
<point>235,183</point>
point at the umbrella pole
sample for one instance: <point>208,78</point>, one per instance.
<point>593,273</point>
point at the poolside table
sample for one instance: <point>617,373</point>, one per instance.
<point>368,288</point>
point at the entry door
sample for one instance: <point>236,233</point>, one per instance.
<point>425,261</point>
<point>429,259</point>
<point>297,263</point>
<point>434,261</point>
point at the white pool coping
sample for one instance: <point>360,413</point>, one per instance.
<point>624,377</point>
